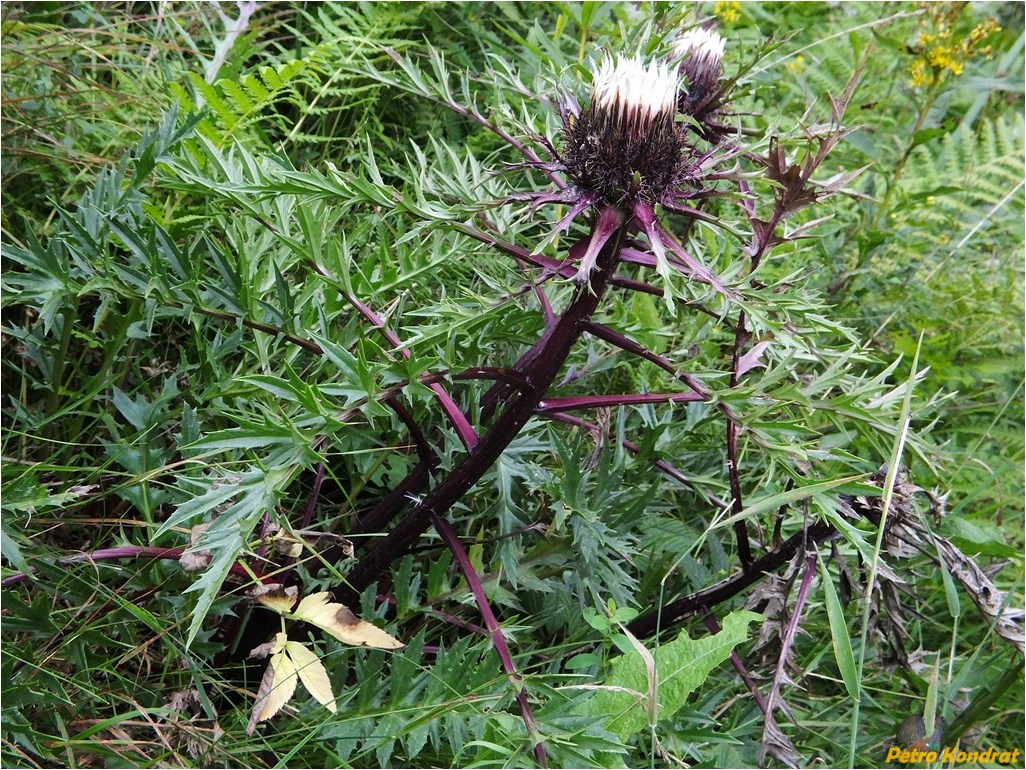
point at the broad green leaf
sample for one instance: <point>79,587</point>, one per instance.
<point>681,667</point>
<point>976,538</point>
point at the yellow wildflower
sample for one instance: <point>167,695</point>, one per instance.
<point>940,51</point>
<point>727,12</point>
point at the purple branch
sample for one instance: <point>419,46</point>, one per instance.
<point>459,420</point>
<point>553,266</point>
<point>314,497</point>
<point>786,643</point>
<point>480,119</point>
<point>387,508</point>
<point>546,360</point>
<point>624,342</point>
<point>740,339</point>
<point>702,601</point>
<point>312,347</point>
<point>713,625</point>
<point>444,528</point>
<point>125,552</point>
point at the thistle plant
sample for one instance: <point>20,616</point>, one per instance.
<point>574,354</point>
<point>624,156</point>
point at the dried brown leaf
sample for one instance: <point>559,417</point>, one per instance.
<point>341,623</point>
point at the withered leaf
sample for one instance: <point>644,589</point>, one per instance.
<point>191,560</point>
<point>312,674</point>
<point>285,543</point>
<point>275,596</point>
<point>341,623</point>
<point>777,745</point>
<point>290,662</point>
<point>262,650</point>
<point>277,685</point>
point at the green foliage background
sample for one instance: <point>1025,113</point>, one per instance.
<point>163,207</point>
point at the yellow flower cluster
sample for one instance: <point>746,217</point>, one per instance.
<point>939,52</point>
<point>727,12</point>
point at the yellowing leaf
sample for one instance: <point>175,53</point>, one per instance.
<point>338,621</point>
<point>275,596</point>
<point>276,687</point>
<point>312,674</point>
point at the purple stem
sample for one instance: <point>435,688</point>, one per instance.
<point>387,508</point>
<point>442,615</point>
<point>444,528</point>
<point>546,361</point>
<point>707,598</point>
<point>314,497</point>
<point>713,625</point>
<point>788,641</point>
<point>126,552</point>
<point>478,118</point>
<point>542,297</point>
<point>740,338</point>
<point>459,420</point>
<point>624,342</point>
<point>553,266</point>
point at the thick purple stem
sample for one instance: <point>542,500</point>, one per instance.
<point>702,601</point>
<point>544,365</point>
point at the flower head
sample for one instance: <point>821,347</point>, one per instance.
<point>626,144</point>
<point>633,97</point>
<point>701,53</point>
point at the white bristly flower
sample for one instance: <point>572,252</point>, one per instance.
<point>700,53</point>
<point>626,145</point>
<point>703,46</point>
<point>633,96</point>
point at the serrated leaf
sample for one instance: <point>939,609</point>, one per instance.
<point>312,674</point>
<point>10,550</point>
<point>681,667</point>
<point>341,623</point>
<point>254,492</point>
